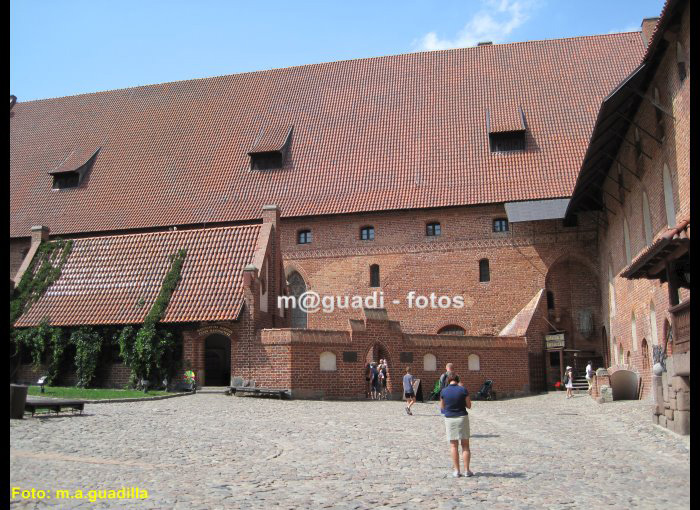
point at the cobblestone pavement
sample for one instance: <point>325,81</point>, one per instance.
<point>212,451</point>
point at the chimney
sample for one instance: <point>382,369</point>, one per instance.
<point>39,234</point>
<point>271,214</point>
<point>648,25</point>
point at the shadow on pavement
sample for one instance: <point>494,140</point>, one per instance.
<point>500,475</point>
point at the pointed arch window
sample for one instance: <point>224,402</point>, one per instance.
<point>634,332</point>
<point>484,271</point>
<point>626,235</point>
<point>646,217</point>
<point>374,275</point>
<point>680,61</point>
<point>668,198</point>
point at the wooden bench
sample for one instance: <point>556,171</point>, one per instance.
<point>53,405</point>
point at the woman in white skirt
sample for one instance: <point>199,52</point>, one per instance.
<point>569,380</point>
<point>454,401</point>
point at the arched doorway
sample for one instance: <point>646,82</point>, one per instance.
<point>379,351</point>
<point>217,360</point>
<point>297,287</point>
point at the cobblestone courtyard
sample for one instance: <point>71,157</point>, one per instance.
<point>212,451</point>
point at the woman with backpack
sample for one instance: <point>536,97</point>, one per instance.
<point>569,382</point>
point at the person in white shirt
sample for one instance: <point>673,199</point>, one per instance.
<point>589,376</point>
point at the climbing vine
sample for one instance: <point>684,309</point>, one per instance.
<point>145,350</point>
<point>34,282</point>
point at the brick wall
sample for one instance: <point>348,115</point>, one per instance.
<point>337,263</point>
<point>502,359</point>
<point>637,296</point>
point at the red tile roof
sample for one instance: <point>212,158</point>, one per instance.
<point>404,131</point>
<point>664,243</point>
<point>105,278</point>
<point>271,138</point>
<point>504,118</point>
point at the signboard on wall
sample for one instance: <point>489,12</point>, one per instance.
<point>554,341</point>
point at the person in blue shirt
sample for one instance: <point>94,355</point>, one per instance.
<point>408,392</point>
<point>454,401</point>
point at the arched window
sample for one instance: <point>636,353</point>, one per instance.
<point>367,233</point>
<point>652,324</point>
<point>484,271</point>
<point>327,362</point>
<point>473,362</point>
<point>626,234</point>
<point>634,332</point>
<point>374,275</point>
<point>304,236</point>
<point>680,60</point>
<point>297,287</point>
<point>646,217</point>
<point>429,363</point>
<point>645,354</point>
<point>628,358</point>
<point>659,114</point>
<point>433,229</point>
<point>668,198</point>
<point>611,292</point>
<point>620,354</point>
<point>452,329</point>
<point>615,351</point>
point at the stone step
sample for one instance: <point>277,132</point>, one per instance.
<point>213,389</point>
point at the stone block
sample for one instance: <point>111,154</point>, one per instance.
<point>662,420</point>
<point>683,401</point>
<point>680,364</point>
<point>601,372</point>
<point>681,422</point>
<point>606,393</point>
<point>670,425</point>
<point>680,383</point>
<point>669,414</point>
<point>655,419</point>
<point>664,386</point>
<point>669,368</point>
<point>658,409</point>
<point>672,403</point>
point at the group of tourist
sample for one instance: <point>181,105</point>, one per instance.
<point>569,380</point>
<point>454,402</point>
<point>375,375</point>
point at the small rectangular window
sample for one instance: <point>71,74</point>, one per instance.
<point>66,180</point>
<point>304,237</point>
<point>500,225</point>
<point>432,229</point>
<point>367,234</point>
<point>266,160</point>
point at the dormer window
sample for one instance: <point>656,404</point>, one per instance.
<point>506,127</point>
<point>270,148</point>
<point>72,171</point>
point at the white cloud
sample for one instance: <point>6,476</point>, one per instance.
<point>493,22</point>
<point>630,28</point>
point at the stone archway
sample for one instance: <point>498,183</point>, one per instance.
<point>217,360</point>
<point>378,351</point>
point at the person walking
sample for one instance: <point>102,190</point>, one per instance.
<point>589,376</point>
<point>455,401</point>
<point>385,373</point>
<point>408,392</point>
<point>381,383</point>
<point>374,380</point>
<point>569,382</point>
<point>368,373</point>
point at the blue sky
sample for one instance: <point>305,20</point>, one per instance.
<point>67,47</point>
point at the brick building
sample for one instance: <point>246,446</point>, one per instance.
<point>636,177</point>
<point>444,172</point>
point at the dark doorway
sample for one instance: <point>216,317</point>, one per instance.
<point>217,360</point>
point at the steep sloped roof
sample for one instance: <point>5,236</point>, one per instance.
<point>404,131</point>
<point>116,279</point>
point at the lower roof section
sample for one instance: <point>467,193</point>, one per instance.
<point>116,279</point>
<point>534,210</point>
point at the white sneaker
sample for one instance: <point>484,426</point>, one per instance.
<point>456,474</point>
